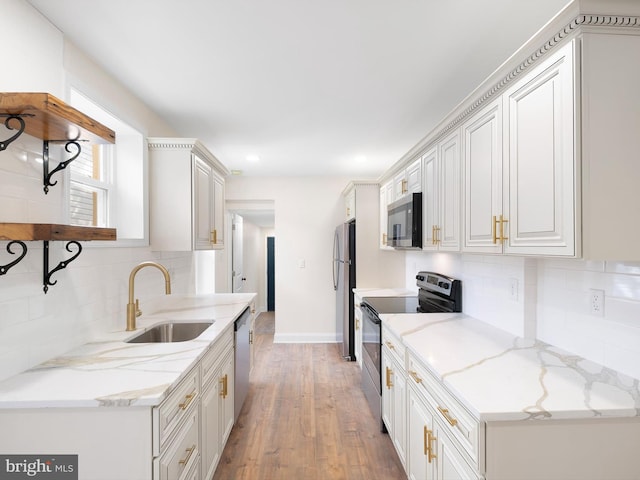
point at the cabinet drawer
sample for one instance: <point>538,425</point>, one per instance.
<point>215,354</point>
<point>177,459</point>
<point>394,346</point>
<point>459,423</point>
<point>175,407</point>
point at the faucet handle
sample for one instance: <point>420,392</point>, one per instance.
<point>138,311</point>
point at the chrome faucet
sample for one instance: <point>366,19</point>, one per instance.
<point>133,309</point>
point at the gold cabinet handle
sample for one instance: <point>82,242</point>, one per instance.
<point>502,222</point>
<point>348,211</point>
<point>437,236</point>
<point>494,229</point>
<point>429,450</point>
<point>384,239</point>
<point>188,399</point>
<point>357,324</point>
<point>189,451</point>
<point>405,186</point>
<point>425,440</point>
<point>389,382</point>
<point>390,345</point>
<point>223,381</point>
<point>250,337</point>
<point>213,236</point>
<point>415,376</point>
<point>445,413</point>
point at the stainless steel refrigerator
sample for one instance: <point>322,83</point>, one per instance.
<point>344,281</point>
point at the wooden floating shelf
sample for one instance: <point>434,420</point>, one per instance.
<point>53,119</point>
<point>49,231</point>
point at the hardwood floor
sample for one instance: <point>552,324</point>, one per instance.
<point>306,418</point>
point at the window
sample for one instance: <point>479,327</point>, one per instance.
<point>107,184</point>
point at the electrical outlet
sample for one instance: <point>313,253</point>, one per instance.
<point>596,302</point>
<point>513,289</point>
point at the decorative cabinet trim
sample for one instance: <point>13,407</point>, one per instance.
<point>582,20</point>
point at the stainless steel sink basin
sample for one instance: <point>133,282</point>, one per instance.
<point>171,332</point>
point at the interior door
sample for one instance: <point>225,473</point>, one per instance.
<point>236,254</point>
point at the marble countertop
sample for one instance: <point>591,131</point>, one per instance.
<point>500,377</point>
<point>109,372</point>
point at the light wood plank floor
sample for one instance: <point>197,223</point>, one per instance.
<point>305,418</point>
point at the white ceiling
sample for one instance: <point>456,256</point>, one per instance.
<point>325,87</point>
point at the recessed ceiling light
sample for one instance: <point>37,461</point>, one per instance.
<point>361,159</point>
<point>253,158</point>
<point>236,172</point>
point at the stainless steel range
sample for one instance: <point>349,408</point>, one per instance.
<point>436,294</point>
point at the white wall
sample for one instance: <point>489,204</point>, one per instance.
<point>552,301</point>
<point>91,294</point>
<point>307,210</point>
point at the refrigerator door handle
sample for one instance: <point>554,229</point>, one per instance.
<point>335,261</point>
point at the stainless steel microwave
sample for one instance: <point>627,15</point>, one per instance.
<point>404,222</point>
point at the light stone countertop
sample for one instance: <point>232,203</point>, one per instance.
<point>499,377</point>
<point>109,372</point>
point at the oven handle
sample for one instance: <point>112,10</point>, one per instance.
<point>370,313</point>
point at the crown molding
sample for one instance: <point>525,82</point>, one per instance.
<point>569,29</point>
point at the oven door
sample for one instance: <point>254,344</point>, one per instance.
<point>371,361</point>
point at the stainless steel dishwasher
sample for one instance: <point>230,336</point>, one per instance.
<point>242,361</point>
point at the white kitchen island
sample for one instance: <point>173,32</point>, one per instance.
<point>485,404</point>
<point>132,410</point>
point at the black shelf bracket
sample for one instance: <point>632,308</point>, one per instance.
<point>5,268</point>
<point>46,273</point>
<point>72,146</point>
<point>7,123</point>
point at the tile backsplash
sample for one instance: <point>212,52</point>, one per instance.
<point>549,299</point>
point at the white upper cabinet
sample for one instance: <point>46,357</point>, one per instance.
<point>186,196</point>
<point>386,197</point>
<point>441,195</point>
<point>350,205</point>
<point>482,137</point>
<point>408,180</point>
<point>520,165</point>
<point>540,161</point>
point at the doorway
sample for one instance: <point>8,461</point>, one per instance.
<point>271,274</point>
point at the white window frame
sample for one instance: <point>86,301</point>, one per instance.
<point>127,206</point>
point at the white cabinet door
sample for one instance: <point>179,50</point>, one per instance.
<point>386,197</point>
<point>540,158</point>
<point>203,202</point>
<point>210,428</point>
<point>357,314</point>
<point>387,392</point>
<point>430,200</point>
<point>413,177</point>
<point>448,237</point>
<point>350,205</point>
<point>399,413</point>
<point>218,211</point>
<point>420,454</point>
<point>226,379</point>
<point>483,180</point>
<point>441,195</point>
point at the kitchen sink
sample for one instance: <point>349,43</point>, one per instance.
<point>171,332</point>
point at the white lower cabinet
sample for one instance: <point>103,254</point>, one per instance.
<point>217,403</point>
<point>394,392</point>
<point>432,454</point>
<point>180,439</point>
<point>177,460</point>
<point>357,319</point>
